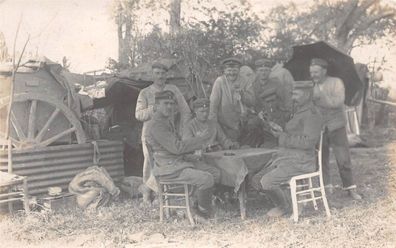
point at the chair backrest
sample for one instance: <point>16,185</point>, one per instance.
<point>320,151</point>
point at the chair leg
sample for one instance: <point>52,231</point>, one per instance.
<point>166,198</point>
<point>324,198</point>
<point>10,203</point>
<point>161,202</point>
<point>293,189</point>
<point>26,196</point>
<point>315,204</point>
<point>188,207</point>
<point>242,199</point>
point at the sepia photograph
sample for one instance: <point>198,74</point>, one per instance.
<point>197,123</point>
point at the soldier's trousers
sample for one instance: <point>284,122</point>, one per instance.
<point>338,141</point>
<point>270,179</point>
<point>201,179</point>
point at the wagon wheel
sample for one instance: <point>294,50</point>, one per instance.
<point>32,130</point>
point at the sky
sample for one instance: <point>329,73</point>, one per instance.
<point>83,31</point>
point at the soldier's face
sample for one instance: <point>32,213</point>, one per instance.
<point>300,97</point>
<point>166,107</point>
<point>263,73</point>
<point>202,114</point>
<point>231,72</point>
<point>318,73</point>
<point>159,75</point>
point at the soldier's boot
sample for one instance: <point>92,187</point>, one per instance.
<point>204,208</point>
<point>280,201</point>
<point>354,195</point>
<point>146,192</point>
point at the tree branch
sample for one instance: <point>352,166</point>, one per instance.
<point>365,25</point>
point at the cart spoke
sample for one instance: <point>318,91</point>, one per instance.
<point>58,136</point>
<point>44,130</point>
<point>32,120</point>
<point>17,127</point>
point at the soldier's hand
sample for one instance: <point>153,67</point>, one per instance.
<point>261,115</point>
<point>207,134</point>
<point>276,133</point>
<point>151,108</point>
<point>234,145</point>
<point>316,93</point>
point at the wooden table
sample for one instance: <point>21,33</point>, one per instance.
<point>235,165</point>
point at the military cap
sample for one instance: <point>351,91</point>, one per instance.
<point>159,65</point>
<point>320,62</point>
<point>201,103</point>
<point>263,63</point>
<point>302,85</point>
<point>165,95</point>
<point>232,61</point>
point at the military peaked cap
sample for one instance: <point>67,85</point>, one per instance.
<point>232,61</point>
<point>201,103</point>
<point>263,63</point>
<point>320,62</point>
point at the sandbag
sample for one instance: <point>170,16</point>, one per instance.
<point>93,188</point>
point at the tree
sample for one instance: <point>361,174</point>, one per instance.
<point>345,24</point>
<point>3,49</point>
<point>174,13</point>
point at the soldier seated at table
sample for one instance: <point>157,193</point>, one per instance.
<point>296,154</point>
<point>168,151</point>
<point>201,123</point>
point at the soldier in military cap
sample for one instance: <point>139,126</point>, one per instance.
<point>296,153</point>
<point>201,123</point>
<point>273,92</point>
<point>145,110</point>
<point>230,97</point>
<point>329,97</point>
<point>168,151</point>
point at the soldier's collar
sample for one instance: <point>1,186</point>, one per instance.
<point>304,108</point>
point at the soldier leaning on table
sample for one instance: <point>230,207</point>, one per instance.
<point>145,111</point>
<point>329,97</point>
<point>296,154</point>
<point>169,152</point>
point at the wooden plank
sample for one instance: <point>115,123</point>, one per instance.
<point>393,104</point>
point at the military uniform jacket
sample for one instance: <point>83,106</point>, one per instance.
<point>225,108</point>
<point>329,97</point>
<point>302,132</point>
<point>146,99</point>
<point>167,148</point>
<point>297,143</point>
<point>195,128</point>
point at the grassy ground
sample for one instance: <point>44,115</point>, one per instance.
<point>367,223</point>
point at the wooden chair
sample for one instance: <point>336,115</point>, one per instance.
<point>168,191</point>
<point>14,188</point>
<point>302,187</point>
<point>174,191</point>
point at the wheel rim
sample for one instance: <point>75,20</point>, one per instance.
<point>34,134</point>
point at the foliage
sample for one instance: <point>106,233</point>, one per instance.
<point>345,24</point>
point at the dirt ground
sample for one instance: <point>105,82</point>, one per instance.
<point>370,222</point>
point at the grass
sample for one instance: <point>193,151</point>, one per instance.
<point>367,223</point>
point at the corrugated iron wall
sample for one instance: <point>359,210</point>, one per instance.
<point>57,165</point>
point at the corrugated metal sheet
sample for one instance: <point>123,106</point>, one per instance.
<point>57,165</point>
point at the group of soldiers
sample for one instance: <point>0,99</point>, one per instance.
<point>271,111</point>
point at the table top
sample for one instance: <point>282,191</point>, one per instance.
<point>241,153</point>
